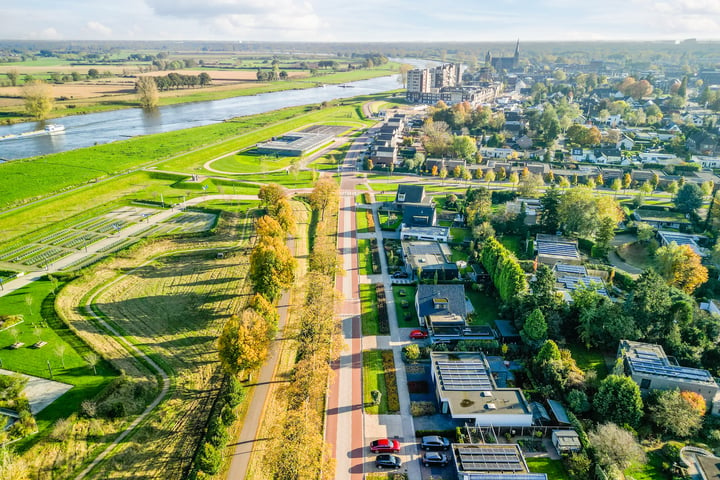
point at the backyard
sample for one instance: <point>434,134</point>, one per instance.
<point>364,257</point>
<point>404,296</point>
<point>553,468</point>
<point>369,315</point>
<point>486,307</point>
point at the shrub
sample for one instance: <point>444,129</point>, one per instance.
<point>411,352</point>
<point>421,409</point>
<point>376,397</point>
<point>370,219</point>
<point>383,320</point>
<point>228,415</point>
<point>366,197</point>
<point>210,459</point>
<point>393,401</point>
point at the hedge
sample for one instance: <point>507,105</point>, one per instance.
<point>383,319</point>
<point>504,270</point>
<point>375,256</point>
<point>391,389</point>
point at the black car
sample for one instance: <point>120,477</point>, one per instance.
<point>431,459</point>
<point>434,442</point>
<point>400,275</point>
<point>388,461</point>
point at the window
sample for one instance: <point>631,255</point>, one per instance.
<point>401,197</point>
<point>645,383</point>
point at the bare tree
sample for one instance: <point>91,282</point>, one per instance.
<point>92,359</point>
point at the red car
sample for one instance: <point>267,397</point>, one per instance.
<point>384,445</point>
<point>418,334</point>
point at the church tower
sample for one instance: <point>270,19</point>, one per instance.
<point>516,57</point>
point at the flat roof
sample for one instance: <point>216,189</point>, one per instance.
<point>425,231</point>
<point>304,140</point>
<point>465,382</point>
<point>650,359</point>
<point>426,254</point>
<point>499,460</point>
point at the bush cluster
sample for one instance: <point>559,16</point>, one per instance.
<point>209,457</point>
<point>421,409</point>
<point>366,199</point>
<point>504,270</point>
<point>370,218</point>
<point>393,401</point>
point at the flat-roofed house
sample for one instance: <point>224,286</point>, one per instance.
<point>466,390</point>
<point>651,369</point>
<point>482,461</point>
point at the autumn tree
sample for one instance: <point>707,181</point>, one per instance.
<point>325,195</point>
<point>285,216</point>
<point>681,267</point>
<point>38,98</point>
<point>266,226</point>
<point>244,342</point>
<point>436,138</point>
<point>147,92</point>
<point>673,414</point>
<point>270,196</point>
<point>272,266</point>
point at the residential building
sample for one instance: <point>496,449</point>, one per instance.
<point>466,390</point>
<point>426,259</point>
<point>569,278</point>
<point>430,234</point>
<point>651,369</point>
<point>666,238</point>
<point>481,461</point>
<point>552,249</point>
<point>410,194</point>
<point>661,218</point>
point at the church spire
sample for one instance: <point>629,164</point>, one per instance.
<point>517,49</point>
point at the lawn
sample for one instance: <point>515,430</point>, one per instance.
<point>458,254</point>
<point>459,235</point>
<point>368,301</point>
<point>384,198</point>
<point>384,187</point>
<point>554,469</point>
<point>486,307</point>
<point>389,220</point>
<point>652,470</point>
<point>63,353</point>
<point>374,379</point>
<point>364,257</point>
<point>404,312</point>
<point>635,254</point>
<point>250,161</point>
<point>512,243</point>
<point>589,360</point>
<point>361,218</point>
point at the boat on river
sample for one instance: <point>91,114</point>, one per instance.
<point>52,129</point>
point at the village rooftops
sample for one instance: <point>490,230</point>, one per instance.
<point>649,359</point>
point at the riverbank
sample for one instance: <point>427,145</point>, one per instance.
<point>79,106</point>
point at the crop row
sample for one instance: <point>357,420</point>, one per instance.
<point>81,240</point>
<point>16,252</point>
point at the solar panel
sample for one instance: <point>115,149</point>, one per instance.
<point>565,268</point>
<point>657,368</point>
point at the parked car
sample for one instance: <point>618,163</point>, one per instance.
<point>418,334</point>
<point>400,275</point>
<point>434,442</point>
<point>431,459</point>
<point>384,445</point>
<point>388,461</point>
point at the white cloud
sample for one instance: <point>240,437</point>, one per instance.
<point>99,28</point>
<point>49,33</point>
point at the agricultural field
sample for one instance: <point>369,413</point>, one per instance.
<point>172,307</point>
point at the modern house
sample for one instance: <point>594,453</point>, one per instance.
<point>296,144</point>
<point>407,194</point>
<point>440,301</point>
<point>661,218</point>
<point>553,249</point>
<point>418,215</point>
<point>651,369</point>
<point>466,390</point>
<point>481,461</point>
<point>430,234</point>
<point>666,238</point>
<point>423,260</point>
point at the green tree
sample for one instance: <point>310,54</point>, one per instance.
<point>443,174</point>
<point>605,233</point>
<point>618,400</point>
<point>38,99</point>
<point>645,232</point>
<point>616,185</point>
<point>671,413</point>
<point>325,195</point>
<point>464,146</point>
<point>578,401</point>
<point>270,195</point>
<point>514,179</point>
<point>147,92</point>
<point>534,331</point>
<point>13,76</point>
<point>578,212</point>
<point>550,218</point>
<point>411,352</point>
<point>689,198</point>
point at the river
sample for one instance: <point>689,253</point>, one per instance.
<point>98,128</point>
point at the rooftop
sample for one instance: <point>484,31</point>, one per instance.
<point>452,296</point>
<point>426,254</point>
<point>502,461</point>
<point>649,359</point>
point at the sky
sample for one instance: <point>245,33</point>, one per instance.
<point>360,21</point>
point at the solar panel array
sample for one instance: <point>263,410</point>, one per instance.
<point>655,367</point>
<point>572,283</point>
<point>491,459</point>
<point>514,476</point>
<point>463,376</point>
<point>558,249</point>
<point>565,268</point>
<point>425,248</point>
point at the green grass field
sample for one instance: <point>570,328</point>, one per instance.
<point>406,315</point>
<point>374,379</point>
<point>64,352</point>
<point>589,360</point>
<point>486,307</point>
<point>369,315</point>
<point>365,264</point>
<point>652,470</point>
<point>361,220</point>
<point>250,161</point>
<point>459,235</point>
<point>554,469</point>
